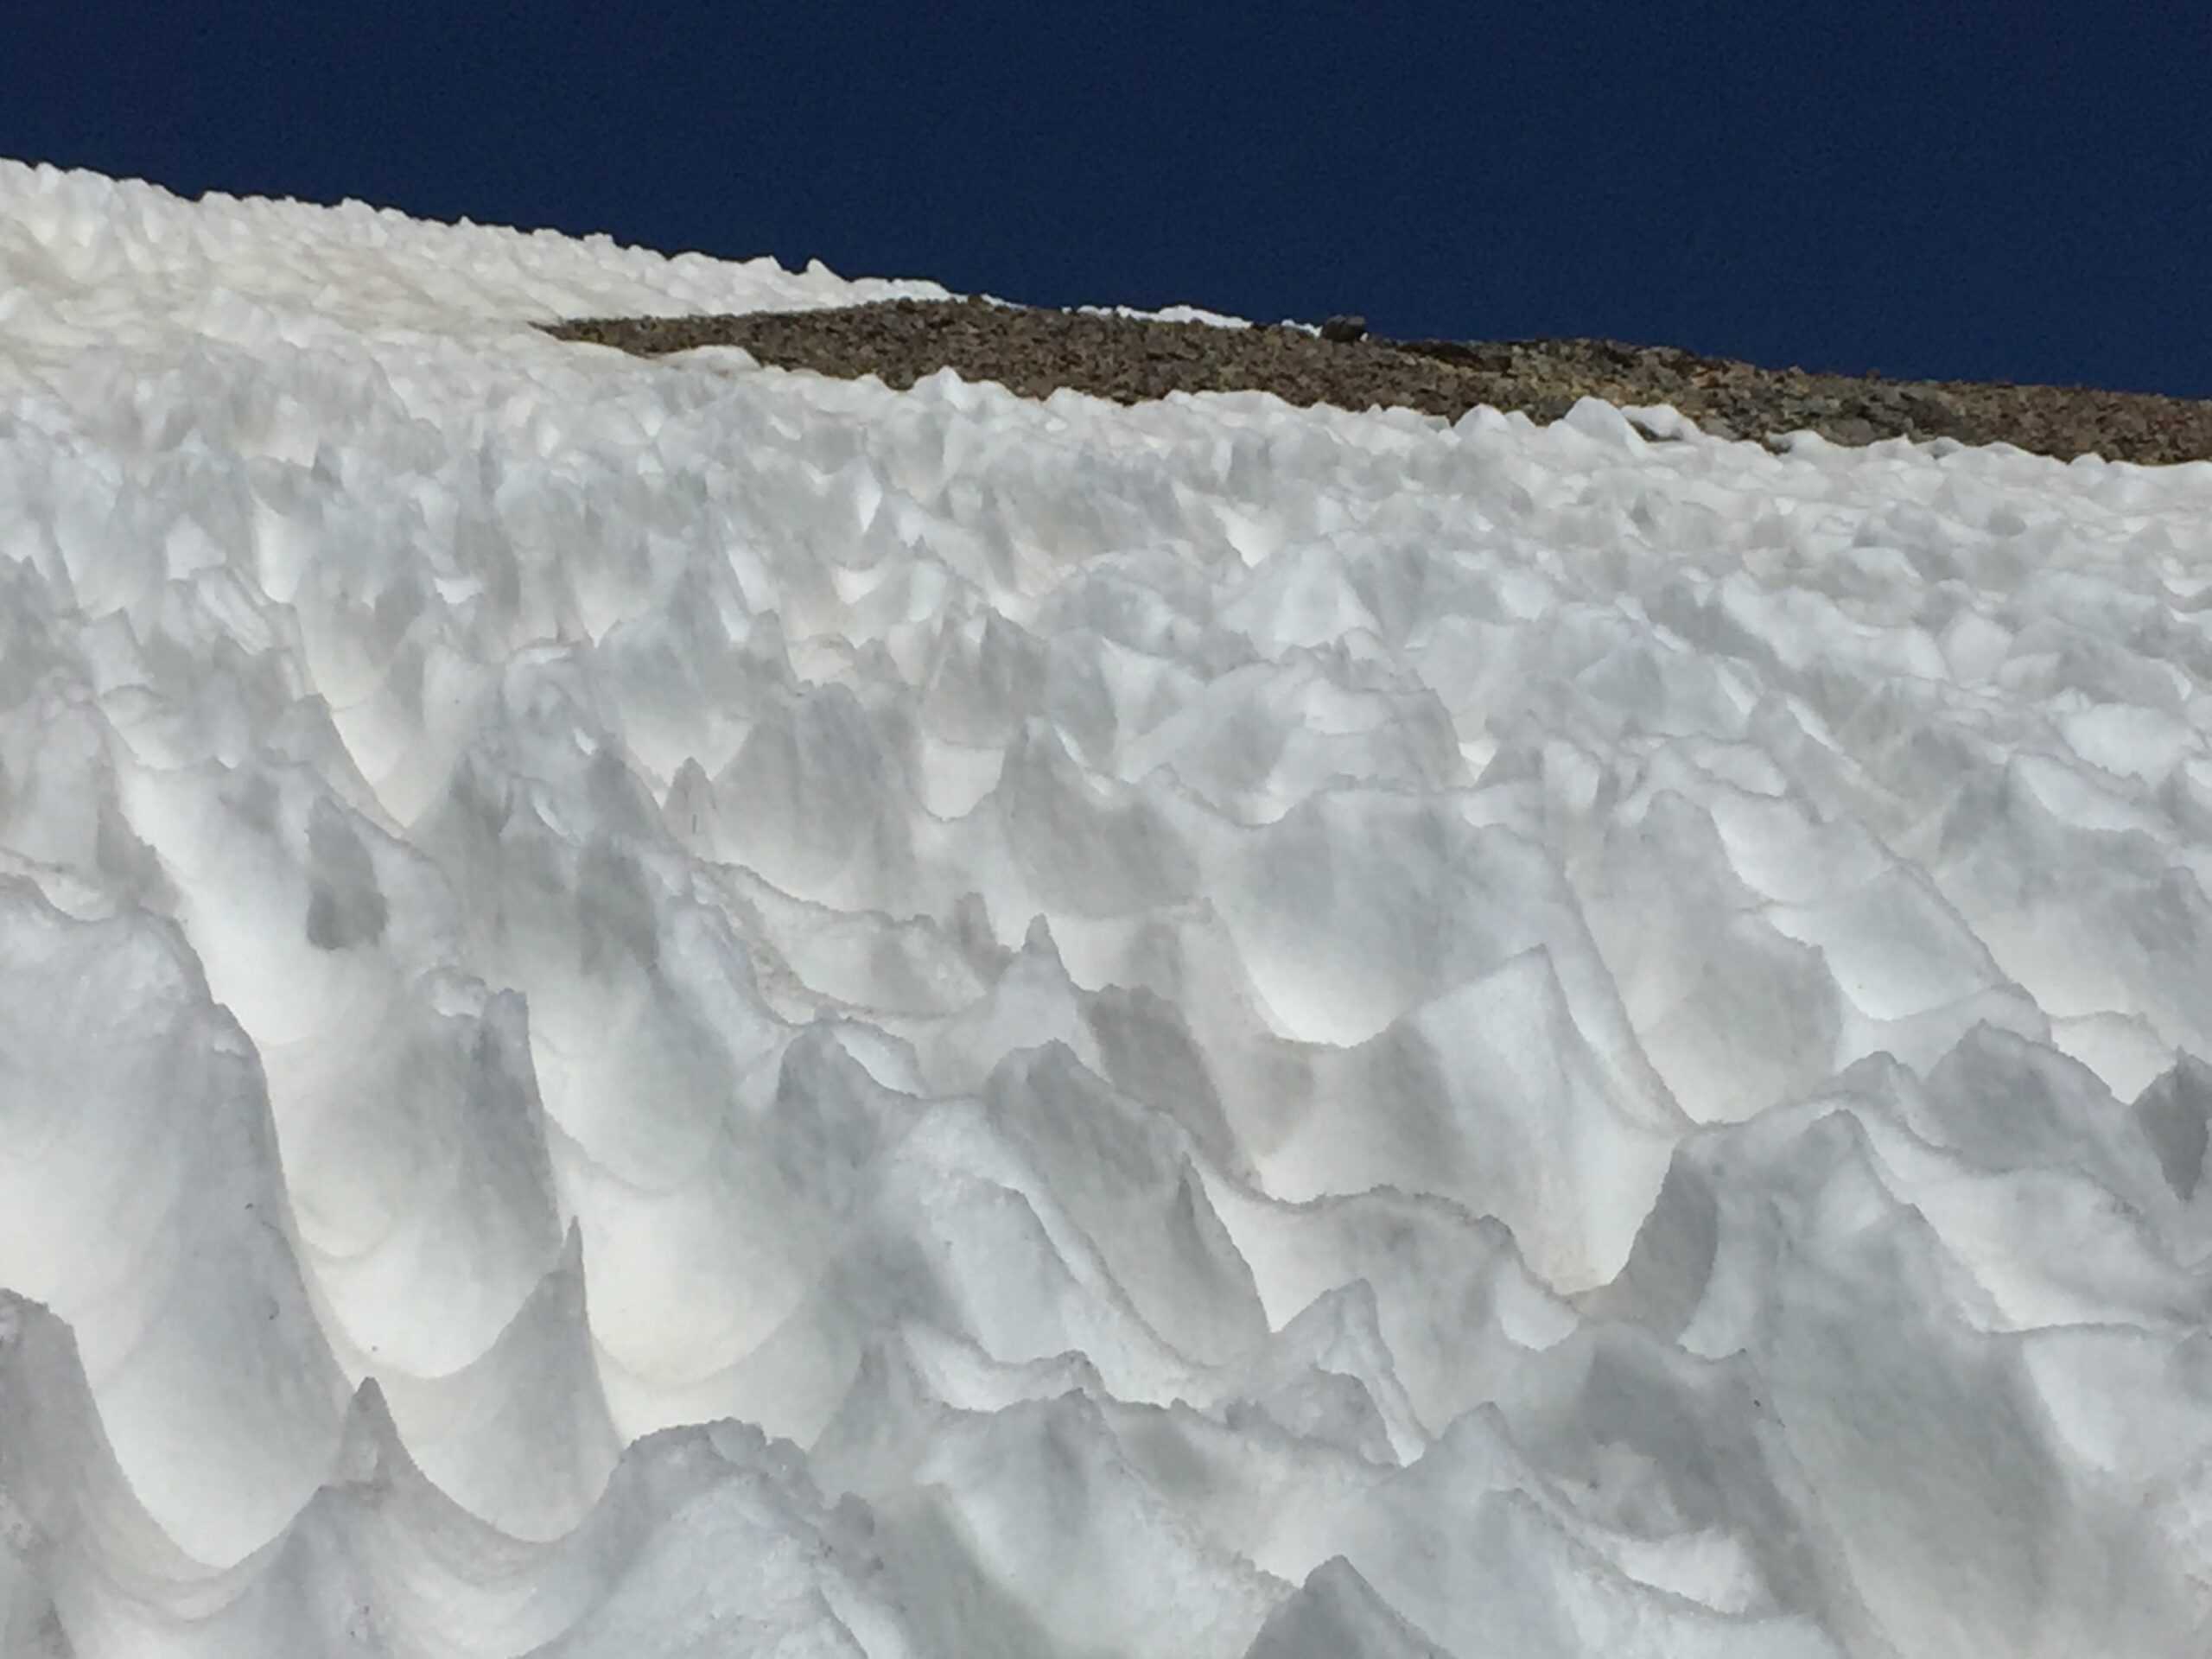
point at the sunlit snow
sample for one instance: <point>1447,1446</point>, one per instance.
<point>671,1008</point>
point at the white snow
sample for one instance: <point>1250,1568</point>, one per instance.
<point>667,1007</point>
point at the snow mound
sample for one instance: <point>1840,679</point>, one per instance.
<point>654,1007</point>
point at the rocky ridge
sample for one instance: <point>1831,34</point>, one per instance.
<point>1034,352</point>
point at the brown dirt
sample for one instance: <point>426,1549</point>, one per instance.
<point>1033,353</point>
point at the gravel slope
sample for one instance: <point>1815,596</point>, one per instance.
<point>1034,352</point>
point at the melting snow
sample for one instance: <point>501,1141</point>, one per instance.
<point>656,1008</point>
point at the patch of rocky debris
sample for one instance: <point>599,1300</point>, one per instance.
<point>1034,352</point>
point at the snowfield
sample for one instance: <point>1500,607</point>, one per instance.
<point>670,1008</point>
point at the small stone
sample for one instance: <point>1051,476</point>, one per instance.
<point>1344,330</point>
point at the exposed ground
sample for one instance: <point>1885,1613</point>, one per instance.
<point>1034,352</point>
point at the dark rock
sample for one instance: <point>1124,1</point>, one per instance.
<point>1344,330</point>
<point>1035,353</point>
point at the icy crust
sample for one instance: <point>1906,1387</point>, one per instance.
<point>665,1007</point>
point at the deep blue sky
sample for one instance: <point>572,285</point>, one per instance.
<point>2009,190</point>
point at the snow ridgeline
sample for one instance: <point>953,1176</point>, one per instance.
<point>656,1006</point>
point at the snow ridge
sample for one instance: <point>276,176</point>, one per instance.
<point>655,1007</point>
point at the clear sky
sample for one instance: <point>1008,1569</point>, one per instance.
<point>2012,190</point>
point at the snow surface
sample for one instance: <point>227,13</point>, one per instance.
<point>667,1007</point>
